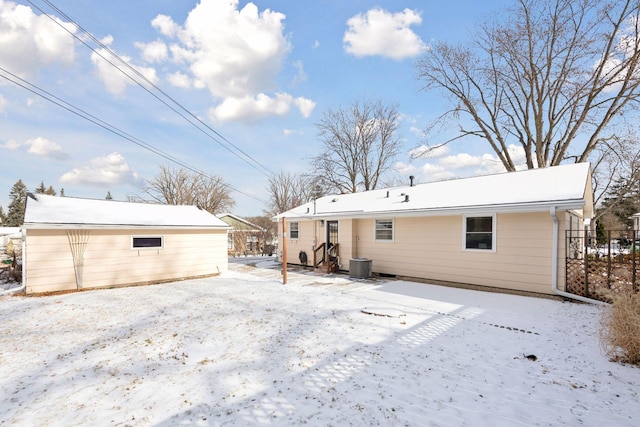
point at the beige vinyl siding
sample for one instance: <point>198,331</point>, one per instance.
<point>313,234</point>
<point>304,242</point>
<point>109,259</point>
<point>432,248</point>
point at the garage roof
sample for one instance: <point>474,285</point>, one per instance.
<point>50,211</point>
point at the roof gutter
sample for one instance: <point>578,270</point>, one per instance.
<point>554,264</point>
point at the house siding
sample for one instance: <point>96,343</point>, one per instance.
<point>110,261</point>
<point>432,248</point>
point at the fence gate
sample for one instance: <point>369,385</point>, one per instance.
<point>595,268</point>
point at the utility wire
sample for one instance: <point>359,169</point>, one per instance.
<point>9,76</point>
<point>253,162</point>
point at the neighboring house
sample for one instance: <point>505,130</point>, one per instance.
<point>504,231</point>
<point>9,235</point>
<point>73,243</point>
<point>245,237</point>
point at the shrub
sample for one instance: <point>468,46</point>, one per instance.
<point>620,328</point>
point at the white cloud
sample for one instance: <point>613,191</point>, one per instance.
<point>12,144</point>
<point>427,152</point>
<point>29,41</point>
<point>432,173</point>
<point>306,106</point>
<point>155,51</point>
<point>460,160</point>
<point>249,108</point>
<point>114,80</point>
<point>234,52</point>
<point>45,148</point>
<point>301,76</point>
<point>165,25</point>
<point>379,32</point>
<point>404,168</point>
<point>111,169</point>
<point>39,146</point>
<point>180,80</point>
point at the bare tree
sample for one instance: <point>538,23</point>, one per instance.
<point>181,187</point>
<point>287,190</point>
<point>616,177</point>
<point>554,77</point>
<point>359,145</point>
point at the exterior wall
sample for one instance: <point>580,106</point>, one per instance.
<point>110,261</point>
<point>432,248</point>
<point>308,232</point>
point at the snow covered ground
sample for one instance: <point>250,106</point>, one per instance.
<point>243,349</point>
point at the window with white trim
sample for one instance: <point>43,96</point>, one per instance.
<point>294,232</point>
<point>479,232</point>
<point>147,242</point>
<point>384,230</point>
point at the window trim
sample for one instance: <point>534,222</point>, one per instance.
<point>291,230</point>
<point>143,248</point>
<point>393,230</point>
<point>493,232</point>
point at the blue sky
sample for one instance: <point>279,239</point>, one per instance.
<point>261,74</point>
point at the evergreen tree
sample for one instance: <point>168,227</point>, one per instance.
<point>108,197</point>
<point>622,201</point>
<point>50,191</point>
<point>3,218</point>
<point>15,215</point>
<point>41,188</point>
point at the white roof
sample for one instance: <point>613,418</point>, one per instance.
<point>51,211</point>
<point>564,187</point>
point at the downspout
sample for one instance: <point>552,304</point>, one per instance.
<point>554,264</point>
<point>24,255</point>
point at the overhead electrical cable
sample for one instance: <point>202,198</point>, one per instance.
<point>18,81</point>
<point>232,148</point>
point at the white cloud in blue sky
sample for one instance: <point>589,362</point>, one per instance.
<point>261,74</point>
<point>38,146</point>
<point>378,32</point>
<point>29,41</point>
<point>110,170</point>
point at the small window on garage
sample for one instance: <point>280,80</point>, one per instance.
<point>384,230</point>
<point>479,232</point>
<point>147,242</point>
<point>293,230</point>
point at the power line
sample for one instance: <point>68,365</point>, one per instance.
<point>251,160</point>
<point>9,76</point>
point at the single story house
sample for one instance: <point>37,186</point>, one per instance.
<point>245,237</point>
<point>72,243</point>
<point>504,230</point>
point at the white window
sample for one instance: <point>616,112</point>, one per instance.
<point>293,230</point>
<point>479,233</point>
<point>147,242</point>
<point>384,230</point>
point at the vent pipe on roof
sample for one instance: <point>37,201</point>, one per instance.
<point>411,179</point>
<point>406,198</point>
<point>387,194</point>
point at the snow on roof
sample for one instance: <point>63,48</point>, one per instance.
<point>530,190</point>
<point>61,211</point>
